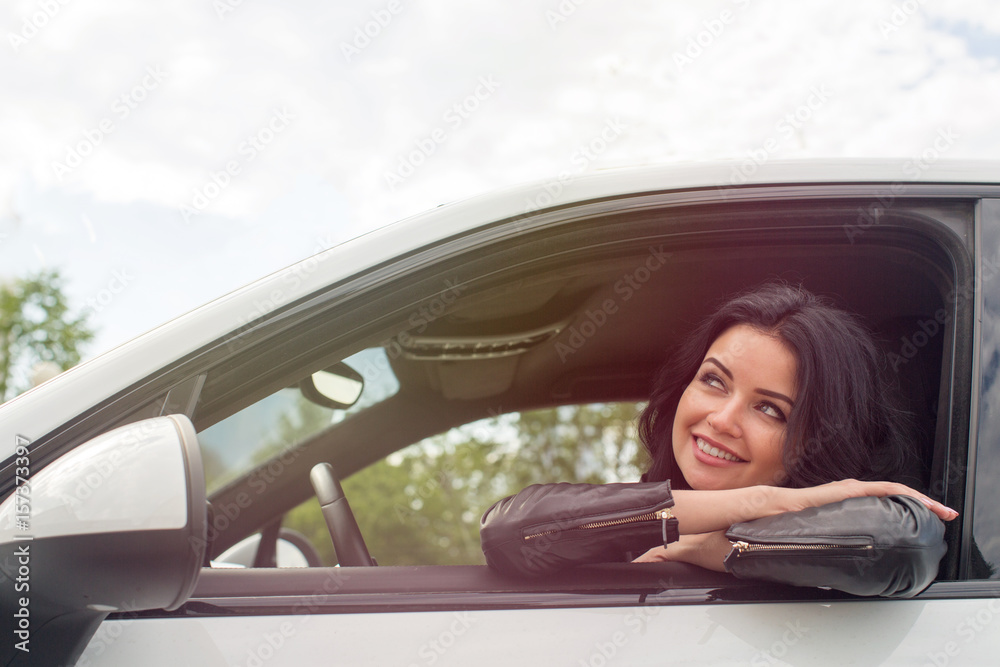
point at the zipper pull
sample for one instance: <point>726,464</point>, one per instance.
<point>664,515</point>
<point>740,547</point>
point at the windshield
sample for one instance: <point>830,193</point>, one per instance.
<point>233,446</point>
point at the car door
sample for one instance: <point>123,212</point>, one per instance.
<point>921,250</point>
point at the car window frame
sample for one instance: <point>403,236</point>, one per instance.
<point>152,391</point>
<point>943,232</point>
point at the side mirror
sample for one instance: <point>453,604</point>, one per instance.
<point>338,387</point>
<point>117,524</point>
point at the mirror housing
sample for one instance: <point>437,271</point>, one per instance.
<point>117,524</point>
<point>338,387</point>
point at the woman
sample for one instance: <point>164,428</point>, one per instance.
<point>776,404</point>
<point>725,404</point>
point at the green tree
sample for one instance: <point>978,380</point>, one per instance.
<point>421,506</point>
<point>36,326</point>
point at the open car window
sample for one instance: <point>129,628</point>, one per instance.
<point>504,327</point>
<point>422,504</point>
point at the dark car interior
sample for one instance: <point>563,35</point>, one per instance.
<point>551,313</point>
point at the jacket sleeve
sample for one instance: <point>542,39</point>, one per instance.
<point>865,546</point>
<point>550,527</point>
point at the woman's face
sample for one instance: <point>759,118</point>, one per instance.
<point>730,422</point>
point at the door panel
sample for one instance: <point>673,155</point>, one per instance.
<point>862,632</point>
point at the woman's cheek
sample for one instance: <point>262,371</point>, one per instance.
<point>773,458</point>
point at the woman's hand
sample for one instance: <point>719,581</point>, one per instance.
<point>833,492</point>
<point>707,550</point>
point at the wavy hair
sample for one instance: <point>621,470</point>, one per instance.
<point>846,422</point>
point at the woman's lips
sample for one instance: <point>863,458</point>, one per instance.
<point>711,453</point>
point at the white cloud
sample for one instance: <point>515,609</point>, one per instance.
<point>355,119</point>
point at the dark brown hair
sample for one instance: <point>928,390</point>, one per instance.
<point>845,424</point>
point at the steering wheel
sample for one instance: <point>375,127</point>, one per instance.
<point>347,540</point>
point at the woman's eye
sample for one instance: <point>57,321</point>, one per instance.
<point>713,380</point>
<point>771,410</point>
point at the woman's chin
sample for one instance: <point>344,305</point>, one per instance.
<point>711,481</point>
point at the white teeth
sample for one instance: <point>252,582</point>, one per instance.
<point>716,452</point>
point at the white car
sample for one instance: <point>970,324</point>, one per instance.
<point>144,492</point>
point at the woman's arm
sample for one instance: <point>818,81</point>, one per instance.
<point>708,511</point>
<point>704,516</point>
<point>887,546</point>
<point>707,550</point>
<point>549,527</point>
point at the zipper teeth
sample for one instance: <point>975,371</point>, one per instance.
<point>747,547</point>
<point>665,513</point>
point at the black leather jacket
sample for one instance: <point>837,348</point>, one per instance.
<point>866,546</point>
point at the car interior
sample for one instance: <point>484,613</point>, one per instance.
<point>578,309</point>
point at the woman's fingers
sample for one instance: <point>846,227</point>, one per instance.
<point>944,512</point>
<point>654,555</point>
<point>854,488</point>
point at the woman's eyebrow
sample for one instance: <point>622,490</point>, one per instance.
<point>774,394</point>
<point>765,392</point>
<point>722,368</point>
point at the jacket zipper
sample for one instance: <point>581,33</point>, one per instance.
<point>659,515</point>
<point>744,548</point>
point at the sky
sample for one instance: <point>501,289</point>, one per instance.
<point>160,155</point>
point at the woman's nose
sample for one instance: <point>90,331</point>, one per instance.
<point>726,419</point>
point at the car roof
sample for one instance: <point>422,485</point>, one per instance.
<point>37,411</point>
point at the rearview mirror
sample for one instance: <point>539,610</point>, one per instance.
<point>338,387</point>
<point>116,524</point>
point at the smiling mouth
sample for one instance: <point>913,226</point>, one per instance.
<point>712,450</point>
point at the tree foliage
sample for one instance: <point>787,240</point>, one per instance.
<point>35,326</point>
<point>421,506</point>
